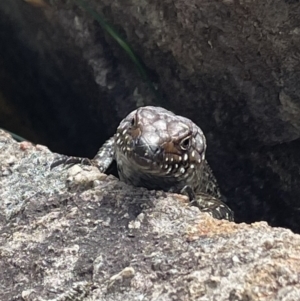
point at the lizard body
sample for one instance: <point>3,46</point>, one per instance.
<point>156,149</point>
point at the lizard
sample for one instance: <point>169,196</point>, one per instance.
<point>156,149</point>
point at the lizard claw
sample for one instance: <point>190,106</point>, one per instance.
<point>217,209</point>
<point>187,189</point>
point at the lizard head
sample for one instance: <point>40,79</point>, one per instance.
<point>154,140</point>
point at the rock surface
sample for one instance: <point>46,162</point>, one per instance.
<point>231,66</point>
<point>77,234</point>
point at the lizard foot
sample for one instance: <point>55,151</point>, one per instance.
<point>209,204</point>
<point>65,160</point>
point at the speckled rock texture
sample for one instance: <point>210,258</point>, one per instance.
<point>77,234</point>
<point>230,66</point>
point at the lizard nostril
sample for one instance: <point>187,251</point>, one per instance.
<point>157,151</point>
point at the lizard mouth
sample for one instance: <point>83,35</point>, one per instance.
<point>144,162</point>
<point>138,152</point>
<point>154,160</point>
<point>143,156</point>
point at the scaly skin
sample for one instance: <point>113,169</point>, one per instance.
<point>156,149</point>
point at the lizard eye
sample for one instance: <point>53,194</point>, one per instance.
<point>185,143</point>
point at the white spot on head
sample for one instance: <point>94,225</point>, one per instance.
<point>171,159</point>
<point>169,170</point>
<point>192,166</point>
<point>119,140</point>
<point>117,135</point>
<point>182,170</point>
<point>193,154</point>
<point>185,157</point>
<point>176,166</point>
<point>199,160</point>
<point>166,159</point>
<point>124,132</point>
<point>179,158</point>
<point>166,166</point>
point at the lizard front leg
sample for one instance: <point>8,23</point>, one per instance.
<point>102,160</point>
